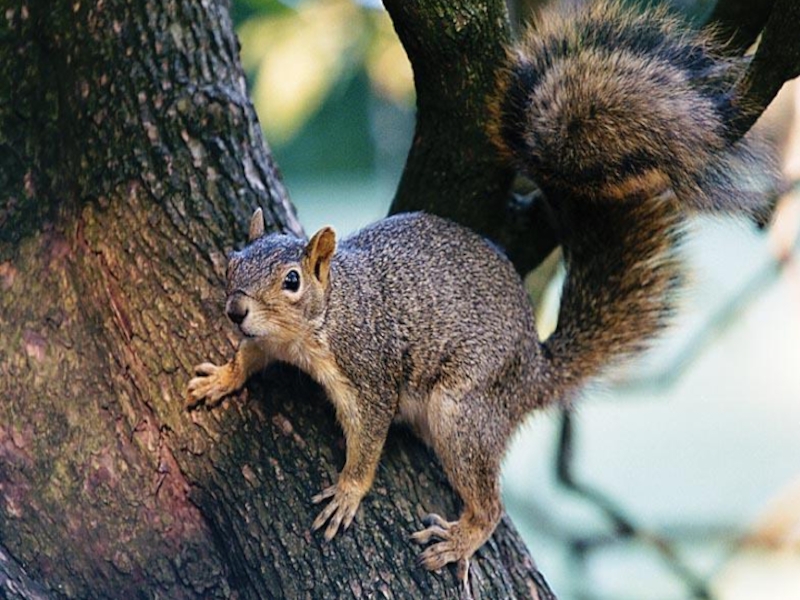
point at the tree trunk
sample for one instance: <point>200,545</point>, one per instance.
<point>453,169</point>
<point>130,161</point>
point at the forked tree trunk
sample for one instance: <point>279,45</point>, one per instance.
<point>130,160</point>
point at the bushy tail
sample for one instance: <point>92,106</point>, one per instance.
<point>619,116</point>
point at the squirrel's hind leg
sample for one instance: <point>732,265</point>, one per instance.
<point>470,452</point>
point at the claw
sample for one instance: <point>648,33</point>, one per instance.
<point>424,536</point>
<point>211,385</point>
<point>204,369</point>
<point>324,515</point>
<point>348,519</point>
<point>326,493</point>
<point>333,525</point>
<point>453,545</point>
<point>438,555</point>
<point>434,519</point>
<point>462,572</point>
<point>341,510</point>
<point>436,528</point>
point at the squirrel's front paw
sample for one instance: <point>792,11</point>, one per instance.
<point>211,385</point>
<point>341,510</point>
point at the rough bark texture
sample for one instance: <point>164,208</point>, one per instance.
<point>130,160</point>
<point>441,39</point>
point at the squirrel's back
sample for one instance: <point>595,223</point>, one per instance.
<point>433,298</point>
<point>419,262</point>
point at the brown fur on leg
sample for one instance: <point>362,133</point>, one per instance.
<point>463,433</point>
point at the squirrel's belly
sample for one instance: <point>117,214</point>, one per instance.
<point>413,411</point>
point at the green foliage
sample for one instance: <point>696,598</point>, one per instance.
<point>319,71</point>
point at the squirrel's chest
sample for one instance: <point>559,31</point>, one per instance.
<point>315,357</point>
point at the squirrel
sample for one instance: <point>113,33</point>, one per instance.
<point>619,116</point>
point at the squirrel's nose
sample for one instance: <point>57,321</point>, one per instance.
<point>236,310</point>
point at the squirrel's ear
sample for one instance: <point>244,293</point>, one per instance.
<point>318,253</point>
<point>256,225</point>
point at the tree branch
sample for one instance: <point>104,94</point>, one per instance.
<point>776,61</point>
<point>455,49</point>
<point>739,22</point>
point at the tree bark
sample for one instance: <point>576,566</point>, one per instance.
<point>739,22</point>
<point>776,61</point>
<point>130,161</point>
<point>455,50</point>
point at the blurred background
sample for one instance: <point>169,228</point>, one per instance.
<point>686,463</point>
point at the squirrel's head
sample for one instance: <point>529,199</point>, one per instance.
<point>277,284</point>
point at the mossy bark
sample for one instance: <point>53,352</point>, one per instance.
<point>130,160</point>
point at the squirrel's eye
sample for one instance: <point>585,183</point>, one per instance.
<point>292,281</point>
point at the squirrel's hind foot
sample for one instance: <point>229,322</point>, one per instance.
<point>457,543</point>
